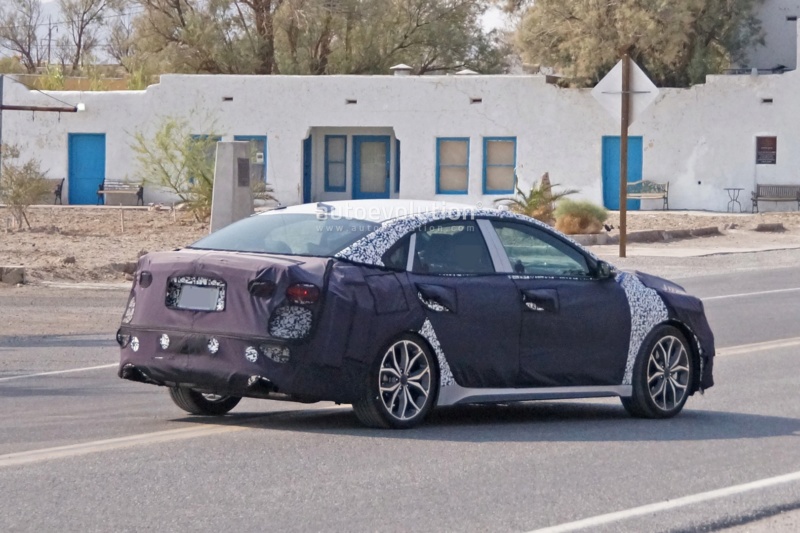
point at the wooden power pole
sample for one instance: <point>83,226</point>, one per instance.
<point>623,152</point>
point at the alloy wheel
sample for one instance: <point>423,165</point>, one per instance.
<point>668,373</point>
<point>404,380</point>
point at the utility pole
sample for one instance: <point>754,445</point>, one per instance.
<point>49,37</point>
<point>623,152</point>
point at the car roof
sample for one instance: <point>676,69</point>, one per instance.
<point>372,210</point>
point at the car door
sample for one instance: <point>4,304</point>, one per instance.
<point>470,306</point>
<point>574,327</point>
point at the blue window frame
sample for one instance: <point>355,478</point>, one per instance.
<point>258,155</point>
<point>499,165</point>
<point>335,163</point>
<point>452,165</point>
<point>397,165</point>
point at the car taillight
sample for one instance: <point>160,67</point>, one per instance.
<point>302,293</point>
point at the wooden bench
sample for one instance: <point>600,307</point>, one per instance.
<point>649,190</point>
<point>119,187</point>
<point>776,193</point>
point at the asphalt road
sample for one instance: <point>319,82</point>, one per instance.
<point>86,451</point>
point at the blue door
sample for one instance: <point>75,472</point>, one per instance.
<point>307,170</point>
<point>371,166</point>
<point>87,166</point>
<point>611,170</point>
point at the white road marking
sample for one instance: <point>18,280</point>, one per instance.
<point>58,372</point>
<point>759,346</point>
<point>618,516</point>
<point>72,450</point>
<point>156,437</point>
<point>743,294</point>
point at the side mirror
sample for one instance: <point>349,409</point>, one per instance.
<point>604,270</point>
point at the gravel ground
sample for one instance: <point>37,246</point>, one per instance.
<point>96,244</point>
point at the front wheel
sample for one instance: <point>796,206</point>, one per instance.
<point>199,403</point>
<point>401,386</point>
<point>662,375</point>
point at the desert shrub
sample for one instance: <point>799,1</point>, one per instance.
<point>21,184</point>
<point>539,202</point>
<point>180,162</point>
<point>576,217</point>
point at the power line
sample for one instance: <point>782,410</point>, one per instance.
<point>68,22</point>
<point>38,91</point>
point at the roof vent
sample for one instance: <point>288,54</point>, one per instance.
<point>401,70</point>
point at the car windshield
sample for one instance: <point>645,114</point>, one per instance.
<point>288,234</point>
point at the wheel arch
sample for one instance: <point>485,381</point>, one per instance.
<point>694,350</point>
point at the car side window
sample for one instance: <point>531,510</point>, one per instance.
<point>533,251</point>
<point>397,256</point>
<point>452,248</point>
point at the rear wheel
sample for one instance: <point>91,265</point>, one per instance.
<point>401,386</point>
<point>199,403</point>
<point>662,375</point>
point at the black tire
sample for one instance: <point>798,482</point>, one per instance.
<point>196,403</point>
<point>399,400</point>
<point>657,394</point>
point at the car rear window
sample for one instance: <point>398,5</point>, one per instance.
<point>288,234</point>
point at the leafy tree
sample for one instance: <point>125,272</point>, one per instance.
<point>19,20</point>
<point>315,36</point>
<point>21,184</point>
<point>677,42</point>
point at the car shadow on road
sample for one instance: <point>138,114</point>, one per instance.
<point>529,422</point>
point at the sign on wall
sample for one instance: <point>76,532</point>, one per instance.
<point>766,150</point>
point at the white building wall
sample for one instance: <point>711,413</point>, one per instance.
<point>699,139</point>
<point>780,35</point>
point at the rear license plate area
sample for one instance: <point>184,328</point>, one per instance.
<point>195,294</point>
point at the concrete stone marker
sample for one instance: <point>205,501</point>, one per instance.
<point>12,275</point>
<point>232,199</point>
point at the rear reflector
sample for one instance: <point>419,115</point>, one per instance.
<point>302,293</point>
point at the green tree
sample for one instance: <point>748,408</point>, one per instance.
<point>315,36</point>
<point>677,42</point>
<point>21,184</point>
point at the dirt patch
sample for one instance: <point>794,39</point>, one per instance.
<point>101,243</point>
<point>93,243</point>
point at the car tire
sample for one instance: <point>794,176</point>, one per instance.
<point>662,375</point>
<point>401,386</point>
<point>198,403</point>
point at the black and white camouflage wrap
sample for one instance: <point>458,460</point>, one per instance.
<point>445,374</point>
<point>370,249</point>
<point>174,289</point>
<point>647,311</point>
<point>431,304</point>
<point>290,322</point>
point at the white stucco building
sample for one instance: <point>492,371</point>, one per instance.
<point>456,138</point>
<point>779,22</point>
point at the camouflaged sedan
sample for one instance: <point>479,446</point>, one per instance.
<point>397,307</point>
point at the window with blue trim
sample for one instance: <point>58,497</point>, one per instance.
<point>335,163</point>
<point>258,156</point>
<point>397,165</point>
<point>499,164</point>
<point>452,165</point>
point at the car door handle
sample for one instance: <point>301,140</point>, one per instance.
<point>437,298</point>
<point>540,300</point>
